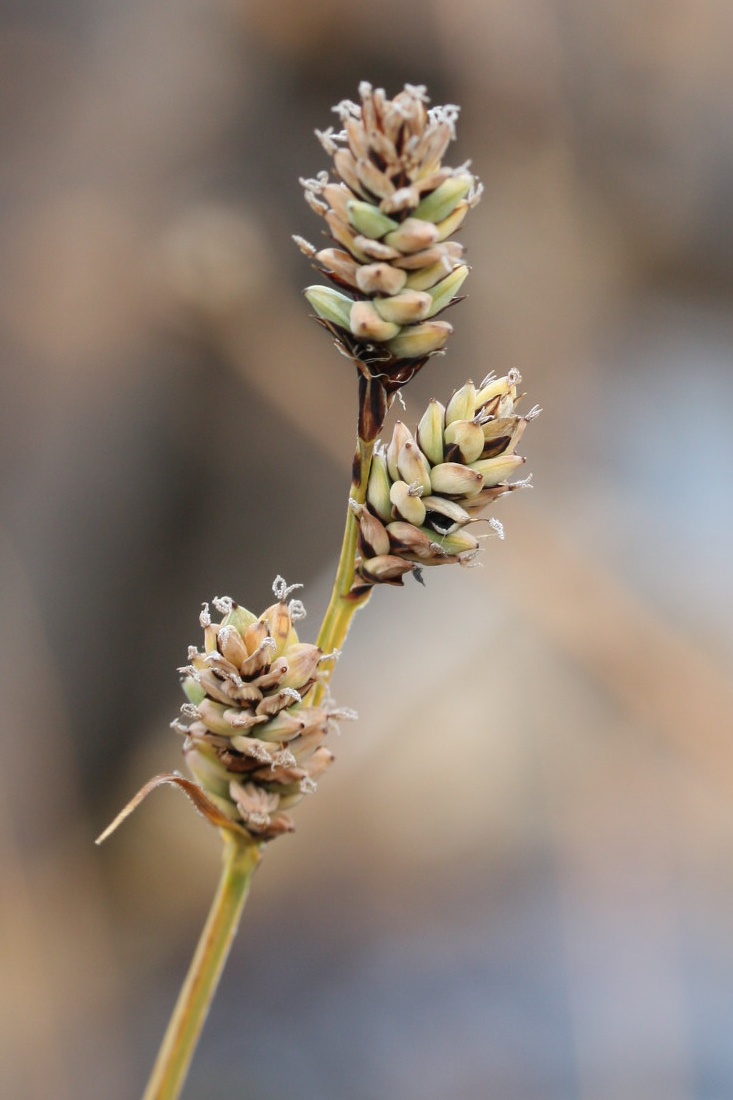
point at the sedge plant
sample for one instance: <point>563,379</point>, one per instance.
<point>258,707</point>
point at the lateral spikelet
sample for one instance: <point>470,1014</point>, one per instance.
<point>427,490</point>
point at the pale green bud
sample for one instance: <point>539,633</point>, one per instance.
<point>193,691</point>
<point>439,203</point>
<point>283,727</point>
<point>495,470</point>
<point>419,340</point>
<point>430,432</point>
<point>212,775</point>
<point>459,542</point>
<point>425,277</point>
<point>454,221</point>
<point>240,618</point>
<point>369,220</point>
<point>462,405</point>
<point>494,387</point>
<point>378,487</point>
<point>444,291</point>
<point>330,305</point>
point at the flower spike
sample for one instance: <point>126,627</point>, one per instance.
<point>252,741</point>
<point>425,491</point>
<point>391,211</point>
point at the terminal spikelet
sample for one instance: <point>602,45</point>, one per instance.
<point>426,490</point>
<point>252,742</point>
<point>391,212</point>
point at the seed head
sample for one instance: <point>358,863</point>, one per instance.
<point>251,740</point>
<point>426,490</point>
<point>391,211</point>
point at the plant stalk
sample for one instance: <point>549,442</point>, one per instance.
<point>342,606</point>
<point>174,1057</point>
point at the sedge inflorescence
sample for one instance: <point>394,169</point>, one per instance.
<point>258,710</point>
<point>252,741</point>
<point>424,490</point>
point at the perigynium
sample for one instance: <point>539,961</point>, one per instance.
<point>258,709</point>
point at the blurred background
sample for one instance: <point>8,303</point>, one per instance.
<point>517,882</point>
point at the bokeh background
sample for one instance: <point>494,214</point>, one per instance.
<point>517,882</point>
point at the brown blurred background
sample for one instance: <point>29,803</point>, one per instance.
<point>517,883</point>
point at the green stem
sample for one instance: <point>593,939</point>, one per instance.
<point>176,1051</point>
<point>342,606</point>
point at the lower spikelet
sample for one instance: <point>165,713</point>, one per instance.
<point>251,739</point>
